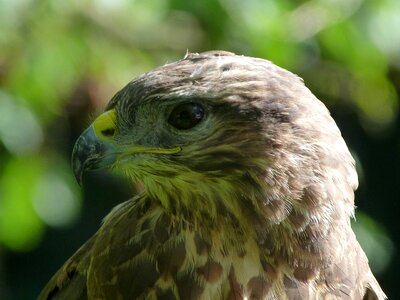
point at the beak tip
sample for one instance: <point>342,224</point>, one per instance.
<point>77,168</point>
<point>78,178</point>
<point>90,153</point>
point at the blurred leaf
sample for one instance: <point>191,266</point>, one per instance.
<point>20,227</point>
<point>381,25</point>
<point>20,131</point>
<point>376,99</point>
<point>32,191</point>
<point>375,242</point>
<point>56,196</point>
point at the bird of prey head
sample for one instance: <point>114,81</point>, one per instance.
<point>248,190</point>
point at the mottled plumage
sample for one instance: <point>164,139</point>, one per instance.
<point>251,202</point>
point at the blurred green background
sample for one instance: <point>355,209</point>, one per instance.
<point>61,61</point>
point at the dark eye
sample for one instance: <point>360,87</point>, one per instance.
<point>186,116</point>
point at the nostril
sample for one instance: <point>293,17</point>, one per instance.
<point>108,132</point>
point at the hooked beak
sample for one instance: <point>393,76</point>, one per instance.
<point>91,153</point>
<point>96,147</point>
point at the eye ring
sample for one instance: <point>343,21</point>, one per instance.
<point>186,115</point>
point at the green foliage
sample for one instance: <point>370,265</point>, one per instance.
<point>20,226</point>
<point>34,192</point>
<point>374,241</point>
<point>61,61</point>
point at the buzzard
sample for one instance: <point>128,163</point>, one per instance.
<point>248,190</point>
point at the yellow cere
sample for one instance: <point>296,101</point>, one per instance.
<point>105,125</point>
